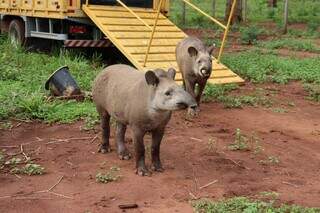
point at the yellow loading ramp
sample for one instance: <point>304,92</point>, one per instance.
<point>131,36</point>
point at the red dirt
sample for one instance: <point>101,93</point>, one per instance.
<point>293,137</point>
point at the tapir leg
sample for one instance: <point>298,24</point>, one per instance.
<point>199,93</point>
<point>139,152</point>
<point>120,137</point>
<point>190,86</point>
<point>157,136</point>
<point>105,125</point>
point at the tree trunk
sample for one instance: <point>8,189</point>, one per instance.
<point>237,15</point>
<point>244,9</point>
<point>272,3</point>
<point>214,8</point>
<point>285,21</point>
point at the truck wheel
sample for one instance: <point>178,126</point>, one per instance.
<point>17,33</point>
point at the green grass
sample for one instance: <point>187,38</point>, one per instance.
<point>242,204</point>
<point>22,78</point>
<point>259,67</point>
<point>291,44</point>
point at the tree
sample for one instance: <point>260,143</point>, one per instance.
<point>214,8</point>
<point>237,15</point>
<point>272,3</point>
<point>286,8</point>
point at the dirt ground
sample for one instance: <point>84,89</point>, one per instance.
<point>193,153</point>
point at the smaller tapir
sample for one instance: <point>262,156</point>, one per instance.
<point>195,64</point>
<point>144,101</point>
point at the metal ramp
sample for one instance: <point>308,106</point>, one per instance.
<point>129,29</point>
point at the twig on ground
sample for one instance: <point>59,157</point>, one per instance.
<point>24,154</point>
<point>193,196</point>
<point>93,139</point>
<point>196,139</point>
<point>208,184</point>
<point>17,176</point>
<point>52,187</point>
<point>291,184</point>
<point>67,140</point>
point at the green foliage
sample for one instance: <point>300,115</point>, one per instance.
<point>109,176</point>
<point>314,91</point>
<point>22,78</point>
<point>292,44</point>
<point>270,160</point>
<point>240,142</point>
<point>32,169</point>
<point>242,204</point>
<point>259,67</point>
<point>249,35</point>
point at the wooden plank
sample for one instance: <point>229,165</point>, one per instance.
<point>127,14</point>
<point>156,57</point>
<point>95,8</point>
<point>153,50</point>
<point>137,42</point>
<point>123,35</point>
<point>125,21</point>
<point>129,28</point>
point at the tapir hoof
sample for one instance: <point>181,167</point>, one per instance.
<point>124,155</point>
<point>143,172</point>
<point>104,149</point>
<point>157,168</point>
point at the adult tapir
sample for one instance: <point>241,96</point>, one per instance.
<point>142,100</point>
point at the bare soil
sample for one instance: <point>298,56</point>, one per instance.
<point>194,153</point>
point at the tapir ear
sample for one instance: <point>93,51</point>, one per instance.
<point>171,73</point>
<point>211,48</point>
<point>151,78</point>
<point>192,51</point>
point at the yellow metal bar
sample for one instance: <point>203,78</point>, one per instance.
<point>87,2</point>
<point>152,33</point>
<point>227,30</point>
<point>133,13</point>
<point>205,14</point>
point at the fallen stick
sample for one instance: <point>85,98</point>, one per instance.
<point>291,184</point>
<point>67,140</point>
<point>208,184</point>
<point>193,196</point>
<point>93,139</point>
<point>24,154</point>
<point>128,206</point>
<point>196,139</point>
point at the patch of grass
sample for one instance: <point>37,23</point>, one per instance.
<point>32,169</point>
<point>271,160</point>
<point>240,142</point>
<point>109,176</point>
<point>22,78</point>
<point>258,67</point>
<point>249,35</point>
<point>6,125</point>
<point>243,204</point>
<point>314,91</point>
<point>279,110</point>
<point>291,44</point>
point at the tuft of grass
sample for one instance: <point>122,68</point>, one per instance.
<point>240,142</point>
<point>279,110</point>
<point>291,44</point>
<point>32,169</point>
<point>109,176</point>
<point>249,35</point>
<point>314,91</point>
<point>243,204</point>
<point>271,160</point>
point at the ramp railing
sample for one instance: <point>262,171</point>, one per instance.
<point>225,27</point>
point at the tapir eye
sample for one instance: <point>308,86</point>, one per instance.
<point>168,93</point>
<point>199,62</point>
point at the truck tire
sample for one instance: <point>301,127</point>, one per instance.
<point>16,33</point>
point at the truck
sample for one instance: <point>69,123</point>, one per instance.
<point>139,29</point>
